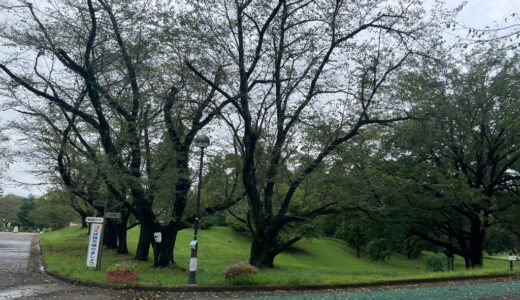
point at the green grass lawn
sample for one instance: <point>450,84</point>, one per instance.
<point>308,262</point>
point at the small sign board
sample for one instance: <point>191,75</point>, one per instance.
<point>193,264</point>
<point>193,244</point>
<point>512,257</point>
<point>15,229</point>
<point>158,237</point>
<point>98,203</point>
<point>113,215</point>
<point>94,244</point>
<point>94,220</point>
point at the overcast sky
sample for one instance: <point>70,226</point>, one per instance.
<point>476,13</point>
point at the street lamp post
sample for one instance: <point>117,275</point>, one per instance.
<point>202,142</point>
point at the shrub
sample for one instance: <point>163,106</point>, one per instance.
<point>213,220</point>
<point>121,269</point>
<point>240,274</point>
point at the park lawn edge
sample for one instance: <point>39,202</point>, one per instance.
<point>295,287</point>
<point>274,282</point>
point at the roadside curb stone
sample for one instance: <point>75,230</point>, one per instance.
<point>265,288</point>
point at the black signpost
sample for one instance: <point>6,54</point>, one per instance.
<point>512,258</point>
<point>202,142</point>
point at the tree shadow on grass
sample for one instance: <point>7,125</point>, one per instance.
<point>297,250</point>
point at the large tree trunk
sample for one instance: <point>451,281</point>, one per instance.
<point>143,245</point>
<point>163,251</point>
<point>110,234</point>
<point>478,232</point>
<point>84,223</point>
<point>147,220</point>
<point>473,257</point>
<point>262,252</point>
<point>266,245</point>
<point>476,258</point>
<point>122,247</point>
<point>83,215</point>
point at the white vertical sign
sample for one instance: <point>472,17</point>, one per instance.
<point>193,264</point>
<point>93,244</point>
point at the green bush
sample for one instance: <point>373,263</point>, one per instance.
<point>435,264</point>
<point>213,220</point>
<point>241,280</point>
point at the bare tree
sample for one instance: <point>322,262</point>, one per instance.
<point>291,64</point>
<point>99,66</point>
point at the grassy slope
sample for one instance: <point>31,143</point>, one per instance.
<point>309,262</point>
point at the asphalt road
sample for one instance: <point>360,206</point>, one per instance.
<point>22,276</point>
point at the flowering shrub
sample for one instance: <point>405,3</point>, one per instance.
<point>121,269</point>
<point>239,274</point>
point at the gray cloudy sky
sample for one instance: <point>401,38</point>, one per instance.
<point>476,13</point>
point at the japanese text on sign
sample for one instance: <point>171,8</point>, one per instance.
<point>94,244</point>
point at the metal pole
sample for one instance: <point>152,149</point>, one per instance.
<point>193,260</point>
<point>198,192</point>
<point>102,236</point>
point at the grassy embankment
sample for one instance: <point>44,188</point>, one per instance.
<point>309,262</point>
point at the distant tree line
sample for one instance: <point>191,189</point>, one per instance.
<point>50,211</point>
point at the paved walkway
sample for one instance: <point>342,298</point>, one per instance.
<point>22,276</point>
